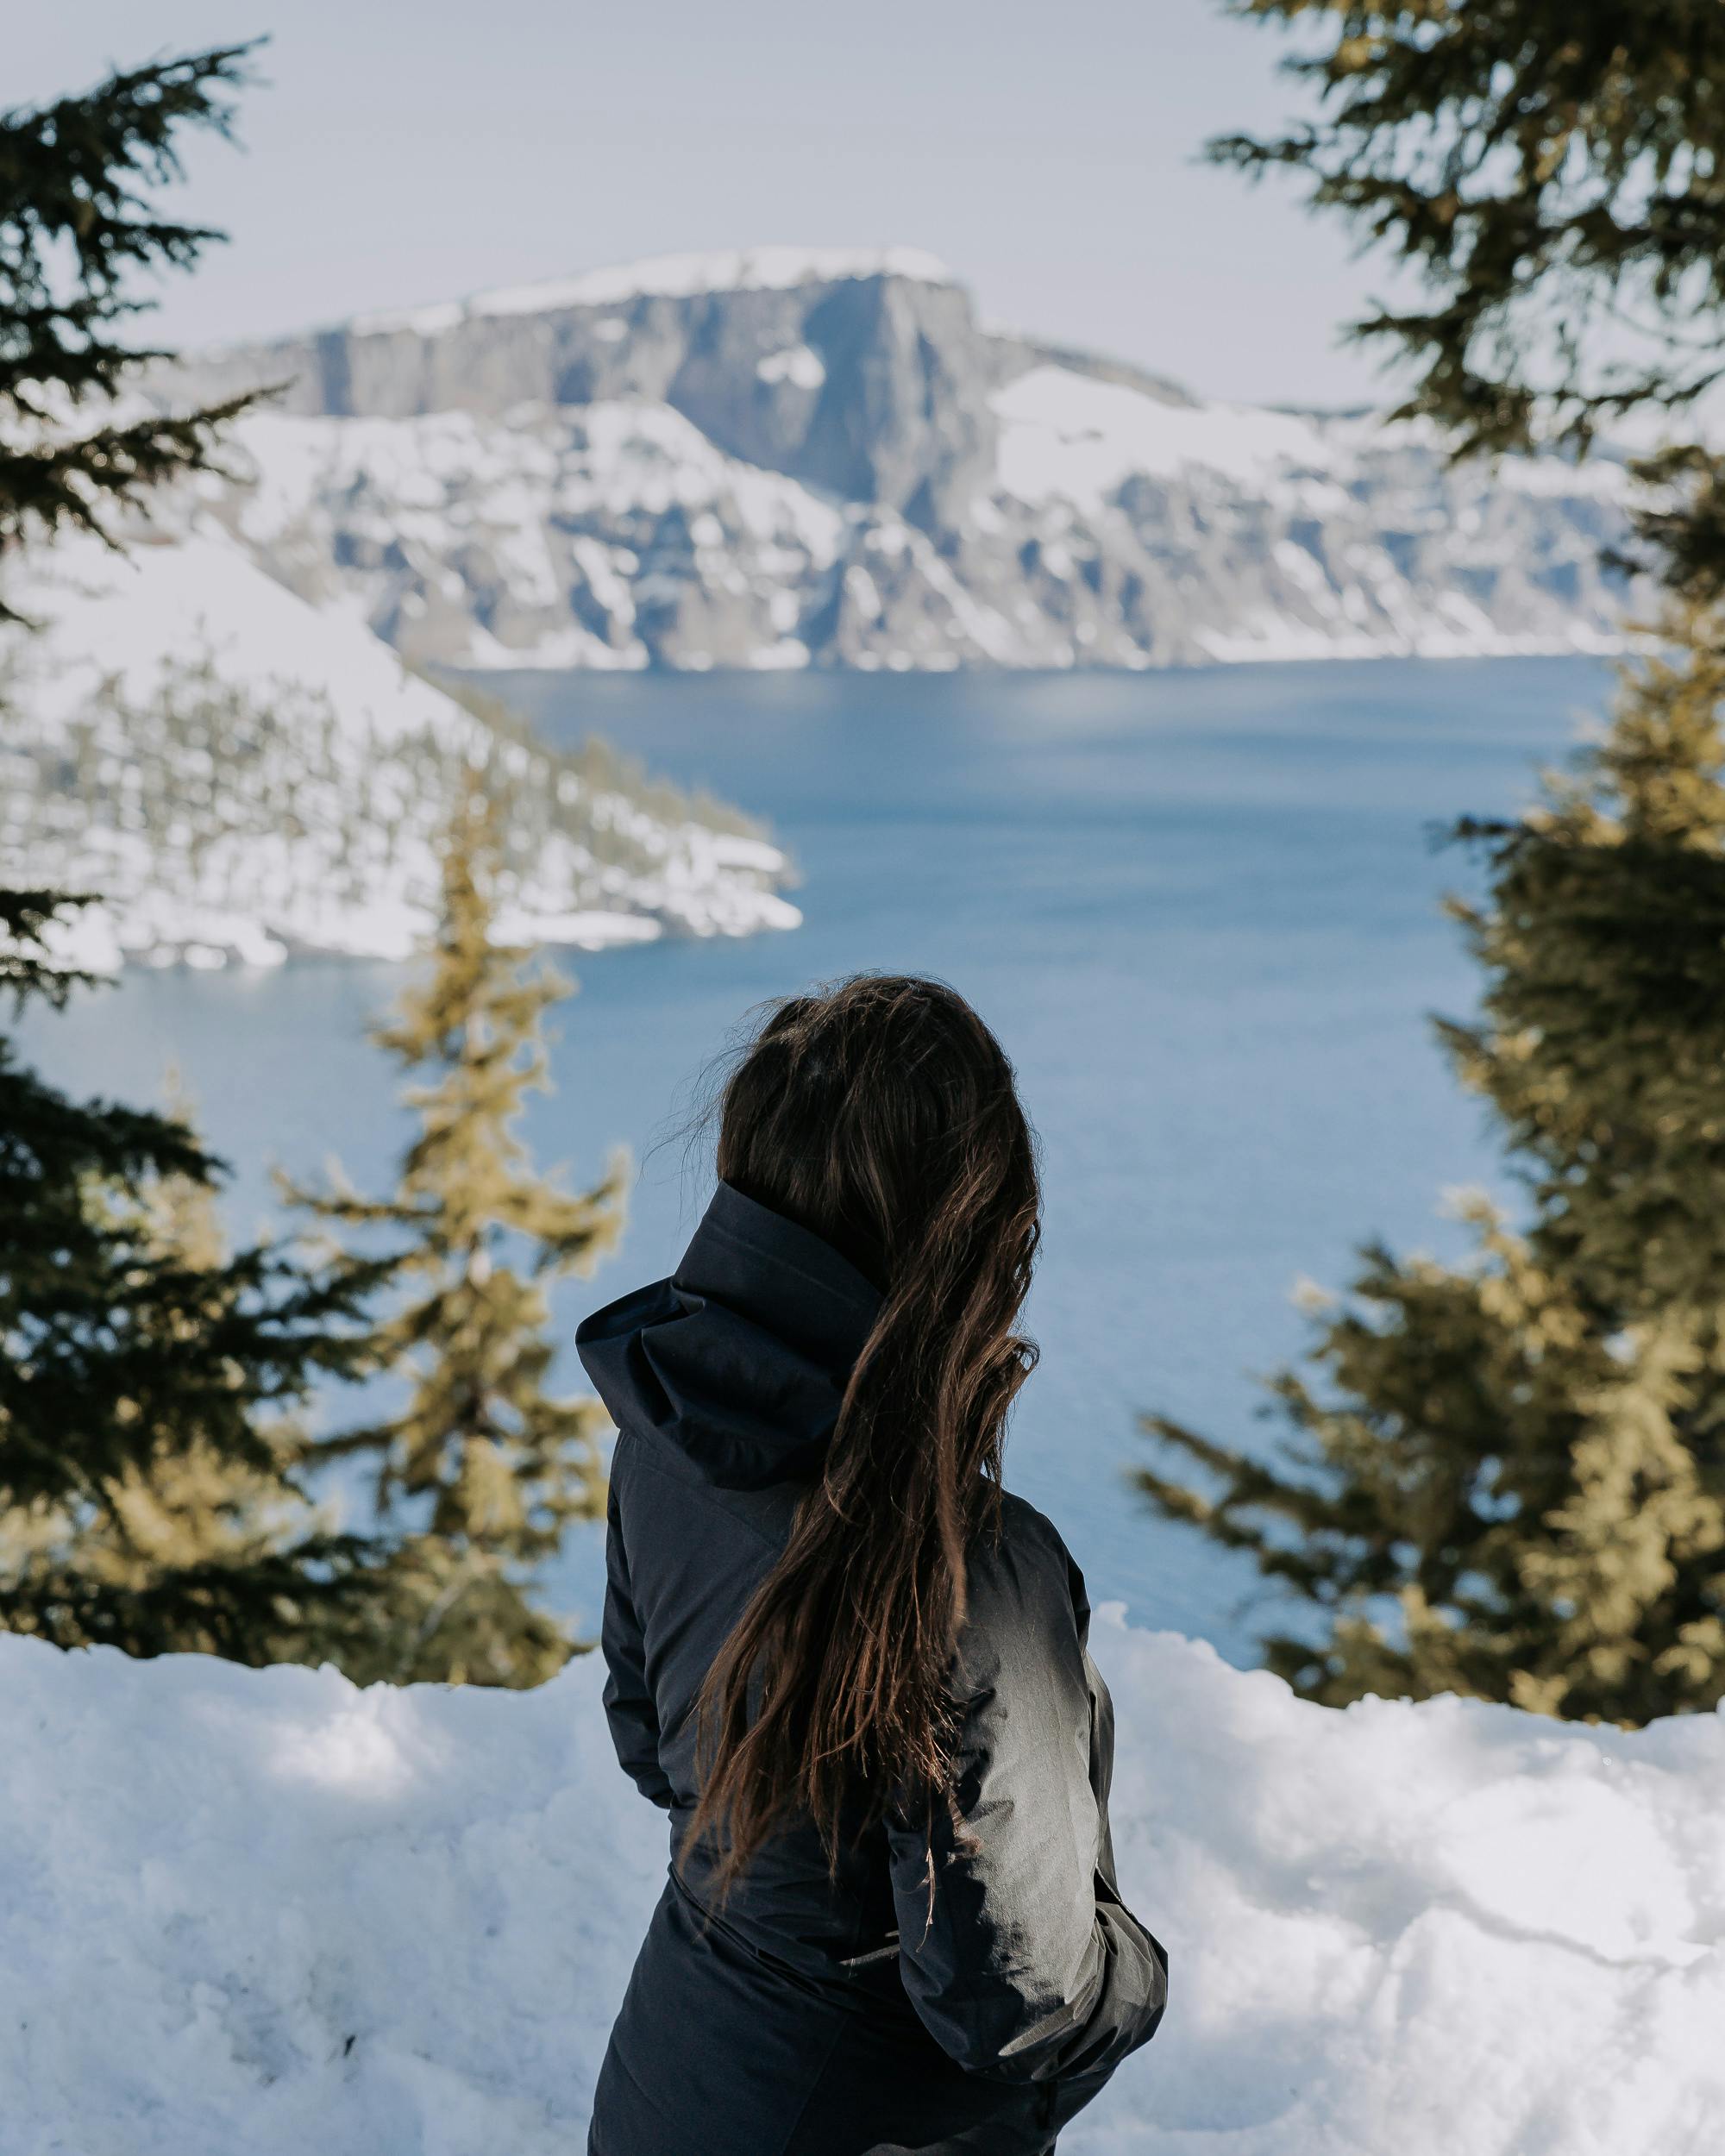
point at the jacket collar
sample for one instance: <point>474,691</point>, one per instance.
<point>740,1359</point>
<point>783,1276</point>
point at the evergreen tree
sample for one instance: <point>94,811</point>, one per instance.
<point>200,1515</point>
<point>484,1466</point>
<point>147,1493</point>
<point>75,224</point>
<point>1551,176</point>
<point>1509,1479</point>
<point>1526,1454</point>
<point>148,1497</point>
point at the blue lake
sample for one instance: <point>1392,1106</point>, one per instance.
<point>1201,909</point>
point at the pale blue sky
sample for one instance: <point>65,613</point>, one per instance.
<point>399,153</point>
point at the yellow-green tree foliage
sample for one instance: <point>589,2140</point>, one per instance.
<point>483,1467</point>
<point>1509,1479</point>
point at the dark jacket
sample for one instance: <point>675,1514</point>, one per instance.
<point>816,2018</point>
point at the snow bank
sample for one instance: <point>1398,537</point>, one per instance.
<point>265,1911</point>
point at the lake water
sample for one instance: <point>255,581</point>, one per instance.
<point>1200,908</point>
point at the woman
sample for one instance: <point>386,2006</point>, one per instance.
<point>850,1665</point>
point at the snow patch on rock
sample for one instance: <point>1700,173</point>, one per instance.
<point>799,364</point>
<point>1069,437</point>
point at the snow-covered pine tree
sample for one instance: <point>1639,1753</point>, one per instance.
<point>483,1468</point>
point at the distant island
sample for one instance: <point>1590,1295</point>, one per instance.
<point>778,459</point>
<point>784,458</point>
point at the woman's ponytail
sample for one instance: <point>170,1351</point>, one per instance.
<point>881,1114</point>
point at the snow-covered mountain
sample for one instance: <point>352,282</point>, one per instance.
<point>786,458</point>
<point>238,775</point>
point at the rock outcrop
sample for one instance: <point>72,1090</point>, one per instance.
<point>783,458</point>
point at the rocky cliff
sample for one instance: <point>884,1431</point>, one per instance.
<point>784,458</point>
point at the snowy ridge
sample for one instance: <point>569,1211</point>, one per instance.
<point>800,458</point>
<point>1120,531</point>
<point>670,276</point>
<point>275,1913</point>
<point>241,777</point>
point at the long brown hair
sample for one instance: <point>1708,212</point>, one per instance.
<point>880,1113</point>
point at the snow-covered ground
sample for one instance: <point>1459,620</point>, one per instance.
<point>252,1914</point>
<point>239,775</point>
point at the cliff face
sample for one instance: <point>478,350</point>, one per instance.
<point>789,459</point>
<point>864,376</point>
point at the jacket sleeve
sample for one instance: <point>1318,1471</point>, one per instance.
<point>629,1707</point>
<point>1014,1947</point>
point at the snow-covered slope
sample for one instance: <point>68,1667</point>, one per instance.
<point>262,1912</point>
<point>790,457</point>
<point>239,775</point>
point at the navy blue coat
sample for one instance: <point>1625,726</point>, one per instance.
<point>864,2017</point>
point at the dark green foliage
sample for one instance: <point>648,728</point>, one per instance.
<point>75,223</point>
<point>1602,1041</point>
<point>148,1494</point>
<point>1551,170</point>
<point>1679,519</point>
<point>487,1468</point>
<point>28,920</point>
<point>149,1466</point>
<point>45,1138</point>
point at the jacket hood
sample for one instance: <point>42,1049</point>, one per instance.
<point>740,1359</point>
